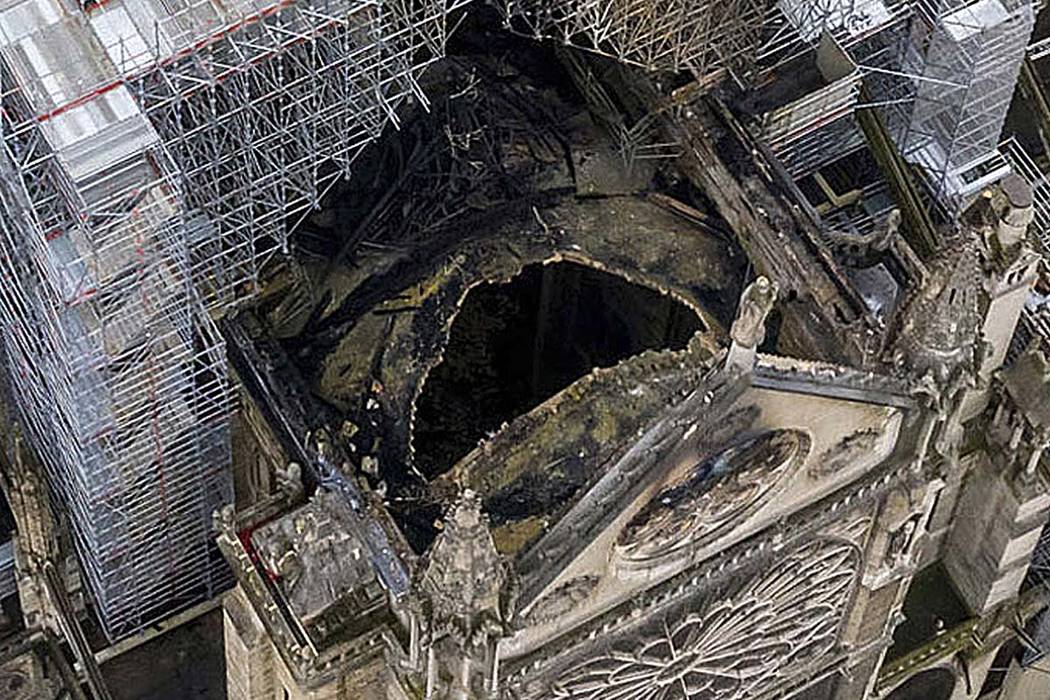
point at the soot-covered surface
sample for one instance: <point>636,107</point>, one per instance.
<point>514,345</point>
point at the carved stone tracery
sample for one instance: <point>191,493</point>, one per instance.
<point>712,496</point>
<point>561,600</point>
<point>780,623</point>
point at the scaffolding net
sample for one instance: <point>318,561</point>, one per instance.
<point>153,157</point>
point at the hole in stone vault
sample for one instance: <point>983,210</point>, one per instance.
<point>514,345</point>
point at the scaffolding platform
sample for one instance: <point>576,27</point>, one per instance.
<point>154,155</point>
<point>961,61</point>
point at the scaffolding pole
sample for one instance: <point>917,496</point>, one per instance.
<point>699,36</point>
<point>152,158</point>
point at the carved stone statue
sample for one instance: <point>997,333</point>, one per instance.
<point>899,548</point>
<point>749,328</point>
<point>865,250</point>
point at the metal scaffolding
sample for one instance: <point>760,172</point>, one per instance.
<point>845,43</point>
<point>700,36</point>
<point>795,27</point>
<point>154,154</point>
<point>1034,329</point>
<point>961,60</point>
<point>264,120</point>
<point>817,128</point>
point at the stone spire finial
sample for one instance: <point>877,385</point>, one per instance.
<point>460,593</point>
<point>465,573</point>
<point>938,327</point>
<point>1016,211</point>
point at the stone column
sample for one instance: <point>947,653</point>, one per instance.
<point>1008,286</point>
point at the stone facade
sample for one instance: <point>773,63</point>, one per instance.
<point>750,501</point>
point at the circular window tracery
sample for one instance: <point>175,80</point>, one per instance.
<point>712,496</point>
<point>15,684</point>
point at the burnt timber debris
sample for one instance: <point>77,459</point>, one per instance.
<point>529,349</point>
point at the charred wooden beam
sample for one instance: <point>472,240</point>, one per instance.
<point>828,318</point>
